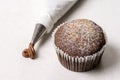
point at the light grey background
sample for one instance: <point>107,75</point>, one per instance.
<point>17,21</point>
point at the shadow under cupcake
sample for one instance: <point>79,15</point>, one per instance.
<point>79,44</point>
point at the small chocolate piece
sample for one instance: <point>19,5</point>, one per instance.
<point>29,52</point>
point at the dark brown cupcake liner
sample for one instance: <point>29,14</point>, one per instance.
<point>78,64</point>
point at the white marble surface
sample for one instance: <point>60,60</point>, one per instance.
<point>17,21</point>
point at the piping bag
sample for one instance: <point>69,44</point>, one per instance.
<point>54,10</point>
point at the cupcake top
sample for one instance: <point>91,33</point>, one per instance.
<point>79,37</point>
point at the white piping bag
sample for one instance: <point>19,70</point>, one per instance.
<point>53,11</point>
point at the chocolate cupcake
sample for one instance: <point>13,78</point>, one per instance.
<point>79,44</point>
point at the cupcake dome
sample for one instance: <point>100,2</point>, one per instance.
<point>80,37</point>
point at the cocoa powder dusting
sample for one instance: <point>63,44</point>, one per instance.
<point>79,37</point>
